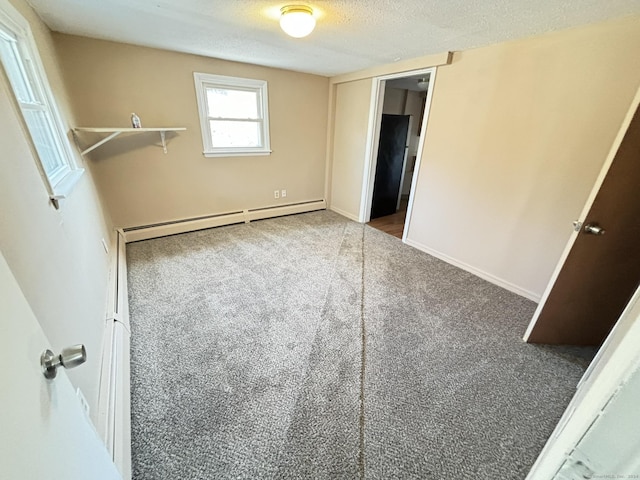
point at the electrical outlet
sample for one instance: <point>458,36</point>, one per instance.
<point>276,194</point>
<point>284,193</point>
<point>104,244</point>
<point>83,401</point>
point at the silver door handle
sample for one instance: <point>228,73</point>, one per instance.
<point>593,229</point>
<point>70,357</point>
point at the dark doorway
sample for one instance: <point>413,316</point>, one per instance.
<point>389,167</point>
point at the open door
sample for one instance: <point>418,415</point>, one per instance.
<point>45,432</point>
<point>392,151</point>
<point>602,268</point>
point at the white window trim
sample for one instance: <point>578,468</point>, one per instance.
<point>203,80</point>
<point>62,186</point>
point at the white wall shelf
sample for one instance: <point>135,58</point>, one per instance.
<point>114,132</point>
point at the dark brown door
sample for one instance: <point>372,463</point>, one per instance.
<point>393,142</point>
<point>602,270</point>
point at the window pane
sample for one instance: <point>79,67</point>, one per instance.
<point>19,58</point>
<point>235,134</point>
<point>15,72</point>
<point>46,145</point>
<point>226,103</point>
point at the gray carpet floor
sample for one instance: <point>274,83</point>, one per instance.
<point>311,346</point>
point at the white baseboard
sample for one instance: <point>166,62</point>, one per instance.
<point>114,397</point>
<point>134,234</point>
<point>345,214</point>
<point>477,272</point>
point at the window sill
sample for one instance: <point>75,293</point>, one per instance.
<point>235,153</point>
<point>64,187</point>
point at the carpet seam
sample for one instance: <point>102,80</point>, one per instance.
<point>268,390</point>
<point>363,362</point>
<point>334,268</point>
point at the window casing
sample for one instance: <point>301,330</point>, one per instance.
<point>234,115</point>
<point>23,68</point>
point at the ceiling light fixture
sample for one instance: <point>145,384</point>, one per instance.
<point>297,20</point>
<point>423,84</point>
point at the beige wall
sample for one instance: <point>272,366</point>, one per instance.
<point>141,185</point>
<point>415,101</point>
<point>350,126</point>
<point>394,101</point>
<point>413,107</point>
<point>55,255</point>
<point>516,137</point>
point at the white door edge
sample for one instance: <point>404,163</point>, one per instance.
<point>416,168</point>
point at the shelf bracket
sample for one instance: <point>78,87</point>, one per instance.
<point>164,144</point>
<point>101,142</point>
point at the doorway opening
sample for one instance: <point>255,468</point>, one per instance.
<point>399,110</point>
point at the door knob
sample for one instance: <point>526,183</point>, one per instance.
<point>593,229</point>
<point>70,357</point>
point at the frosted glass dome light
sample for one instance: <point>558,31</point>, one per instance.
<point>297,20</point>
<point>423,84</point>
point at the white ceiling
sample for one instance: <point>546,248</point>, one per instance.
<point>350,34</point>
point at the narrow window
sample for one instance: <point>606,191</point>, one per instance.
<point>22,65</point>
<point>233,115</point>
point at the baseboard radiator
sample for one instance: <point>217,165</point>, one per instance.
<point>114,397</point>
<point>145,232</point>
<point>114,402</point>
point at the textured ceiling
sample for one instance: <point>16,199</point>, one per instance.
<point>350,34</point>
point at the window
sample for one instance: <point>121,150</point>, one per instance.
<point>21,63</point>
<point>233,115</point>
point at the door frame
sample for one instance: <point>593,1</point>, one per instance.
<point>373,139</point>
<point>585,211</point>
